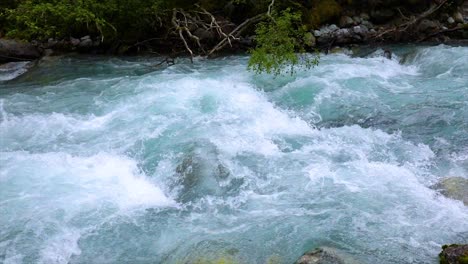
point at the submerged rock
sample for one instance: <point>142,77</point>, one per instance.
<point>454,254</point>
<point>325,255</point>
<point>454,188</point>
<point>202,173</point>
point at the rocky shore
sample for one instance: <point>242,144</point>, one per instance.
<point>353,27</point>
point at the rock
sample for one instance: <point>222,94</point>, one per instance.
<point>454,254</point>
<point>361,30</point>
<point>382,15</point>
<point>317,33</point>
<point>368,24</point>
<point>203,34</point>
<point>346,21</point>
<point>357,20</point>
<point>450,20</point>
<point>74,41</point>
<point>364,16</point>
<point>454,188</point>
<point>325,255</point>
<point>343,35</point>
<point>86,43</point>
<point>332,28</point>
<point>309,39</point>
<point>12,50</point>
<point>427,25</point>
<point>48,52</point>
<point>12,70</point>
<point>458,17</point>
<point>85,38</point>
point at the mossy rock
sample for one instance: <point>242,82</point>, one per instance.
<point>454,188</point>
<point>323,11</point>
<point>454,254</point>
<point>325,255</point>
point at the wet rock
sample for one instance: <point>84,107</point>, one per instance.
<point>427,25</point>
<point>317,33</point>
<point>12,70</point>
<point>202,173</point>
<point>325,255</point>
<point>454,188</point>
<point>12,50</point>
<point>382,15</point>
<point>346,21</point>
<point>454,254</point>
<point>450,20</point>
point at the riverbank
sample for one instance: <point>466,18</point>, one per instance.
<point>354,26</point>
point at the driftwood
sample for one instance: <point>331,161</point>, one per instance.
<point>184,23</point>
<point>404,27</point>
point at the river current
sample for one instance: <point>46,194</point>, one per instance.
<point>114,160</point>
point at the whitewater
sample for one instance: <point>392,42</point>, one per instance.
<point>114,160</point>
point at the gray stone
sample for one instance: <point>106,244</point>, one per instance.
<point>203,34</point>
<point>87,43</point>
<point>48,52</point>
<point>454,254</point>
<point>333,27</point>
<point>346,21</point>
<point>364,16</point>
<point>317,33</point>
<point>361,30</point>
<point>427,25</point>
<point>74,41</point>
<point>357,20</point>
<point>454,188</point>
<point>85,38</point>
<point>368,24</point>
<point>325,255</point>
<point>458,17</point>
<point>343,35</point>
<point>450,20</point>
<point>12,50</point>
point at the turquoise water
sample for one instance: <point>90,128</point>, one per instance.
<point>111,160</point>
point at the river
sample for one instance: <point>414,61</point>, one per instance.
<point>113,160</point>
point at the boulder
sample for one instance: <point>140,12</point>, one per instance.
<point>74,41</point>
<point>325,255</point>
<point>458,17</point>
<point>380,16</point>
<point>361,30</point>
<point>454,188</point>
<point>427,25</point>
<point>343,35</point>
<point>346,21</point>
<point>450,20</point>
<point>12,50</point>
<point>357,20</point>
<point>86,43</point>
<point>454,254</point>
<point>204,34</point>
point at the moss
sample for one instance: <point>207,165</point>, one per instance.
<point>463,260</point>
<point>323,11</point>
